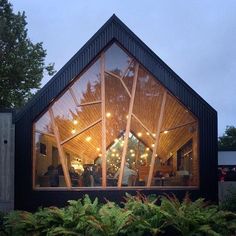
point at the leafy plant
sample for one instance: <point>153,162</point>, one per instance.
<point>229,202</point>
<point>140,215</point>
<point>197,218</point>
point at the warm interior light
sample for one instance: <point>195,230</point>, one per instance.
<point>113,154</point>
<point>132,155</point>
<point>75,122</point>
<point>98,149</point>
<point>73,131</point>
<point>117,155</point>
<point>154,135</point>
<point>166,131</point>
<point>147,149</point>
<point>113,150</point>
<point>88,138</point>
<point>153,145</point>
<point>139,134</point>
<point>108,114</point>
<point>100,155</point>
<point>127,117</point>
<point>131,150</point>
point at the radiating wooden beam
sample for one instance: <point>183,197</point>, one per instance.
<point>127,69</point>
<point>80,132</point>
<point>45,133</point>
<point>179,126</point>
<point>61,153</point>
<point>128,124</point>
<point>144,126</point>
<point>104,160</point>
<point>73,96</point>
<point>159,124</point>
<point>82,104</point>
<point>118,77</point>
<point>89,103</point>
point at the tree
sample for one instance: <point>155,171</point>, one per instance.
<point>21,62</point>
<point>228,140</point>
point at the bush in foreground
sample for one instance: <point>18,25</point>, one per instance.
<point>139,215</point>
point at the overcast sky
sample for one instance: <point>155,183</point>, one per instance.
<point>197,39</point>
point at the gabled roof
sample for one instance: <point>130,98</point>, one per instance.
<point>114,30</point>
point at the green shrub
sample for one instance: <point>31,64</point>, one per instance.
<point>140,215</point>
<point>229,202</point>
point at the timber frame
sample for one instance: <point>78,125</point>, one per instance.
<point>112,31</point>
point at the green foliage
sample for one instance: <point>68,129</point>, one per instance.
<point>229,202</point>
<point>140,215</point>
<point>228,140</point>
<point>21,61</point>
<point>196,218</point>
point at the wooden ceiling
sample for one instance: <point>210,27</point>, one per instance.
<point>74,111</point>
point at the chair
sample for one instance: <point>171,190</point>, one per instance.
<point>44,181</point>
<point>62,182</point>
<point>132,180</point>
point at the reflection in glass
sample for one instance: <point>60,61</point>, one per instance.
<point>78,119</point>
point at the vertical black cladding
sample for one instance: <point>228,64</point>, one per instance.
<point>113,30</point>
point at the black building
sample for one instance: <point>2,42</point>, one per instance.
<point>114,119</point>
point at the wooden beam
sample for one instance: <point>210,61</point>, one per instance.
<point>89,103</point>
<point>128,124</point>
<point>118,77</point>
<point>127,69</point>
<point>141,123</point>
<point>80,132</point>
<point>104,160</point>
<point>45,133</point>
<point>82,104</point>
<point>150,174</point>
<point>195,158</point>
<point>179,126</point>
<point>73,96</point>
<point>62,156</point>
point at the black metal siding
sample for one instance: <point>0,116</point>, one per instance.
<point>114,29</point>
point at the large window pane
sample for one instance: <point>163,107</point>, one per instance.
<point>87,87</point>
<point>154,120</point>
<point>117,61</point>
<point>85,153</point>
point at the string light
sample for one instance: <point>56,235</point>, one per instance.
<point>88,139</point>
<point>132,154</point>
<point>147,134</point>
<point>139,134</point>
<point>98,149</point>
<point>153,145</point>
<point>73,131</point>
<point>147,149</point>
<point>108,114</point>
<point>166,131</point>
<point>75,122</point>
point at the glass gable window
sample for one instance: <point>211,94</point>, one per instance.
<point>115,126</point>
